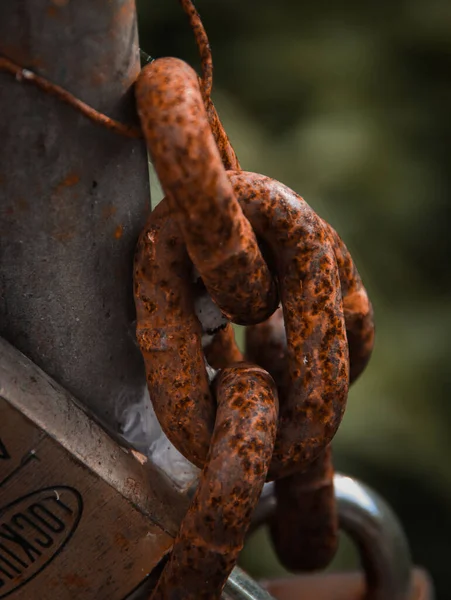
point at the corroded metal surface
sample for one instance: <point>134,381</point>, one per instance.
<point>219,240</point>
<point>223,350</point>
<point>212,532</point>
<point>266,345</point>
<point>203,46</point>
<point>266,342</point>
<point>317,352</point>
<point>170,336</point>
<point>304,526</point>
<point>304,529</point>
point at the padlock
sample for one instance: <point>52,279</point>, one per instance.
<point>80,516</point>
<point>381,542</point>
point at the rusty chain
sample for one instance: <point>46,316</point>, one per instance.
<point>325,334</point>
<point>252,244</point>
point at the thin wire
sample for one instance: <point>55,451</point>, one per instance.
<point>95,116</point>
<point>203,46</point>
<point>53,89</point>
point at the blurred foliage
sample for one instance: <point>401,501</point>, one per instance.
<point>349,104</point>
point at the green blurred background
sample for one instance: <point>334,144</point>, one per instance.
<point>349,104</point>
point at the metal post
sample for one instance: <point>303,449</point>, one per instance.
<point>73,197</point>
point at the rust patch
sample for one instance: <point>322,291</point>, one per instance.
<point>118,232</point>
<point>170,336</point>
<point>304,529</point>
<point>223,351</point>
<point>121,541</point>
<point>203,46</point>
<point>70,180</point>
<point>59,192</point>
<point>317,352</point>
<point>212,533</point>
<point>219,240</point>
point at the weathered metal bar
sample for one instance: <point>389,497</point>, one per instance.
<point>73,197</point>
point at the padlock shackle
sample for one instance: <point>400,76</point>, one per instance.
<point>373,526</point>
<point>240,586</point>
<point>375,529</point>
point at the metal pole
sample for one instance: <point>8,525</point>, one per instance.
<point>73,197</point>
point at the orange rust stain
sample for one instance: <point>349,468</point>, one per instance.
<point>108,211</point>
<point>70,180</point>
<point>52,11</point>
<point>121,541</point>
<point>72,579</point>
<point>118,232</point>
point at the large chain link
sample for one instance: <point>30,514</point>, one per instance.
<point>252,240</point>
